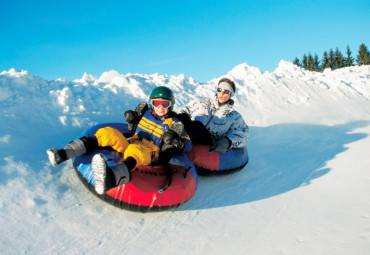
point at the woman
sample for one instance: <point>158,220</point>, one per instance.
<point>215,121</point>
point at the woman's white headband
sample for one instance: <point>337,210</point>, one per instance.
<point>226,84</point>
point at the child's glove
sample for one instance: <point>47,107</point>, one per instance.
<point>171,138</point>
<point>133,117</point>
<point>172,142</point>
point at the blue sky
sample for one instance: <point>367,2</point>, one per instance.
<point>201,39</point>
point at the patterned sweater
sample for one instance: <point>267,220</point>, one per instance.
<point>221,121</point>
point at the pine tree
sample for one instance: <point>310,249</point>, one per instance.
<point>325,61</point>
<point>296,62</point>
<point>304,62</point>
<point>339,61</point>
<point>348,61</point>
<point>363,57</point>
<point>331,59</point>
<point>310,62</point>
<point>316,64</point>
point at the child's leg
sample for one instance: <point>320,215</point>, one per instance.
<point>112,137</point>
<point>143,151</point>
<point>108,177</point>
<point>139,152</point>
<point>73,149</point>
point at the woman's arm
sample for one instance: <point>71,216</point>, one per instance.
<point>238,132</point>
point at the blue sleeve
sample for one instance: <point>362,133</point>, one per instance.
<point>186,140</point>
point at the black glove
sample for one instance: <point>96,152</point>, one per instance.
<point>172,142</point>
<point>132,120</point>
<point>221,145</point>
<point>133,117</point>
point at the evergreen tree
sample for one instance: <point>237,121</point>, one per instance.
<point>304,62</point>
<point>348,61</point>
<point>331,59</point>
<point>316,64</point>
<point>334,60</point>
<point>363,57</point>
<point>338,59</point>
<point>296,62</point>
<point>310,62</point>
<point>325,61</point>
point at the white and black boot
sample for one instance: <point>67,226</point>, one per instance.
<point>56,156</point>
<point>108,177</point>
<point>73,149</point>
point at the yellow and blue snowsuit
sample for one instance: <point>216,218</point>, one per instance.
<point>145,145</point>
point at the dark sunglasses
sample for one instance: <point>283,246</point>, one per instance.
<point>226,91</point>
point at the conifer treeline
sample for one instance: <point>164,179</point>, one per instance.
<point>334,59</point>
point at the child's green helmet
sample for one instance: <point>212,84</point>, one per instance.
<point>164,93</point>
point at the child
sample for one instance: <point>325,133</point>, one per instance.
<point>158,135</point>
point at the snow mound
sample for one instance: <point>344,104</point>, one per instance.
<point>286,68</point>
<point>242,71</point>
<point>266,98</point>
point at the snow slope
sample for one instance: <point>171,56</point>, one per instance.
<point>304,191</point>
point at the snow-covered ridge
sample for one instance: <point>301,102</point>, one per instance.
<point>76,103</point>
<point>290,89</point>
<point>79,102</point>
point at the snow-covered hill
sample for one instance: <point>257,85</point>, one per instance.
<point>305,190</point>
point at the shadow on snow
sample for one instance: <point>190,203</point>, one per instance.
<point>283,157</point>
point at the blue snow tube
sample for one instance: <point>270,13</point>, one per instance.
<point>217,163</point>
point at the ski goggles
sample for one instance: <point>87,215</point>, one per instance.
<point>160,102</point>
<point>226,91</point>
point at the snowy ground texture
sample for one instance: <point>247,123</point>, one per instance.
<point>305,190</point>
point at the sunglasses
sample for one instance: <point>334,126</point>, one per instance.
<point>226,91</point>
<point>160,102</point>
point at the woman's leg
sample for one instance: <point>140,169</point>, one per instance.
<point>195,129</point>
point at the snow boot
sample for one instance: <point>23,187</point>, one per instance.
<point>56,156</point>
<point>108,177</point>
<point>73,149</point>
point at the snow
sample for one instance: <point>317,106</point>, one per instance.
<point>304,191</point>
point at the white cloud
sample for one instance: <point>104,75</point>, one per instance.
<point>5,139</point>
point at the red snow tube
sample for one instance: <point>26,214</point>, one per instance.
<point>147,190</point>
<point>215,163</point>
